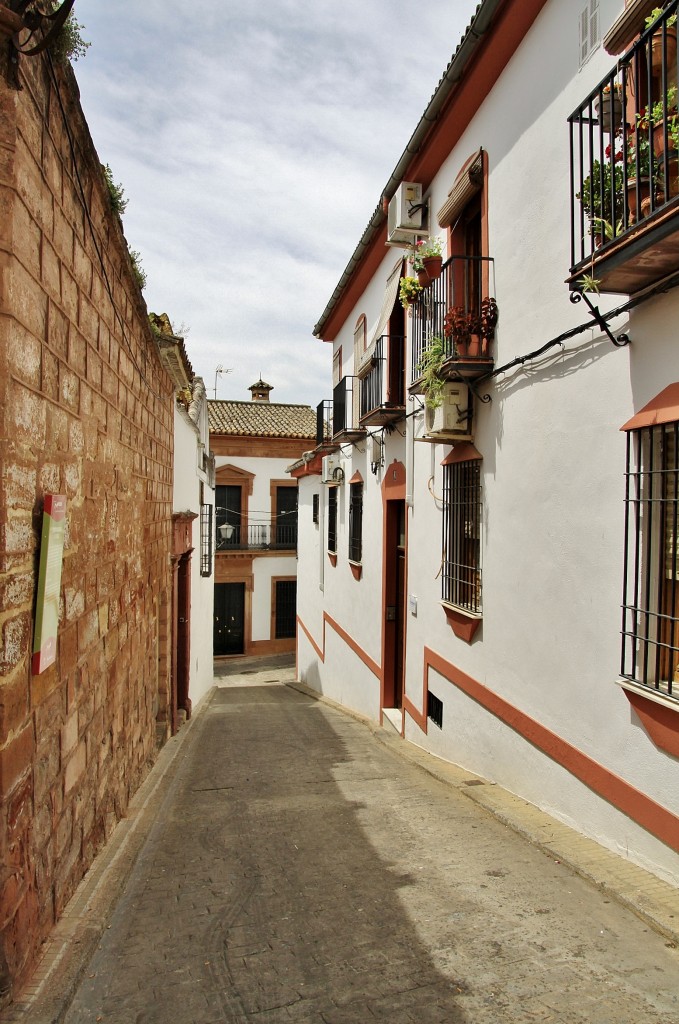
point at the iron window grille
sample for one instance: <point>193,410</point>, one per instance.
<point>332,520</point>
<point>462,517</point>
<point>356,522</point>
<point>286,609</point>
<point>315,502</point>
<point>650,606</point>
<point>435,709</point>
<point>206,535</point>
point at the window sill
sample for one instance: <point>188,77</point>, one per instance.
<point>463,624</point>
<point>332,558</point>
<point>356,568</point>
<point>657,713</point>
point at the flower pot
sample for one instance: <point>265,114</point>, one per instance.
<point>433,265</point>
<point>423,278</point>
<point>667,189</point>
<point>671,51</point>
<point>645,192</point>
<point>609,124</point>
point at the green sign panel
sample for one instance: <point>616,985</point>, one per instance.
<point>49,582</point>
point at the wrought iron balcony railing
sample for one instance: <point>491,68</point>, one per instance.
<point>264,536</point>
<point>457,309</point>
<point>324,422</point>
<point>624,173</point>
<point>345,412</point>
<point>381,389</point>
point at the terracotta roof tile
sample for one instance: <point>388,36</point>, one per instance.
<point>261,419</point>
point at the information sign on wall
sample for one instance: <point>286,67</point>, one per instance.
<point>49,582</point>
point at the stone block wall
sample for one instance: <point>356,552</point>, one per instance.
<point>86,410</point>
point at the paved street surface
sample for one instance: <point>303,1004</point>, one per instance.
<point>299,870</point>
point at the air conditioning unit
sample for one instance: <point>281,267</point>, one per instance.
<point>453,418</point>
<point>375,450</point>
<point>407,215</point>
<point>331,469</point>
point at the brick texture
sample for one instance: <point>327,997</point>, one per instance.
<point>86,410</point>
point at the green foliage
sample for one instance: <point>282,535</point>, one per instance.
<point>408,290</point>
<point>69,44</point>
<point>116,193</point>
<point>589,283</point>
<point>655,13</point>
<point>598,188</point>
<point>137,269</point>
<point>429,368</point>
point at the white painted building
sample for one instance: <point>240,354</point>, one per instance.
<point>462,571</point>
<point>256,521</point>
<point>193,498</point>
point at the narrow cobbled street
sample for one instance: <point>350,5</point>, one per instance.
<point>299,870</point>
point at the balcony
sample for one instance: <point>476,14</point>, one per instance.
<point>624,174</point>
<point>452,308</point>
<point>345,412</point>
<point>259,537</point>
<point>324,426</point>
<point>382,394</point>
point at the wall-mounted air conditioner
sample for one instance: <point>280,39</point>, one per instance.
<point>375,450</point>
<point>407,216</point>
<point>453,418</point>
<point>331,469</point>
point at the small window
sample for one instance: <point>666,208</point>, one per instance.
<point>332,520</point>
<point>435,709</point>
<point>589,29</point>
<point>337,367</point>
<point>462,515</point>
<point>356,522</point>
<point>314,508</point>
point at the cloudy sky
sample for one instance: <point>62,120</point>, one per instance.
<point>253,141</point>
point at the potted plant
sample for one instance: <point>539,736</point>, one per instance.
<point>426,259</point>
<point>429,368</point>
<point>597,192</point>
<point>638,167</point>
<point>408,290</point>
<point>657,41</point>
<point>608,107</point>
<point>457,325</point>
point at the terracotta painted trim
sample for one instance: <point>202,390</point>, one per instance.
<point>349,641</point>
<point>510,26</point>
<point>660,721</point>
<point>417,716</point>
<point>463,625</point>
<point>356,570</point>
<point>332,558</point>
<point>664,408</point>
<point>639,807</point>
<point>356,478</point>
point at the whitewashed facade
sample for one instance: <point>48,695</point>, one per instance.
<point>520,679</point>
<point>193,502</point>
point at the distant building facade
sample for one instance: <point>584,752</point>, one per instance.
<point>255,593</point>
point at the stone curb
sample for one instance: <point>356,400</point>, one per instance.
<point>653,900</point>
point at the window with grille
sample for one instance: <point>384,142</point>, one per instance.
<point>650,608</point>
<point>462,517</point>
<point>332,520</point>
<point>356,522</point>
<point>206,533</point>
<point>315,501</point>
<point>435,709</point>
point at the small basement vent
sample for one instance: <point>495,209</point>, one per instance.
<point>435,709</point>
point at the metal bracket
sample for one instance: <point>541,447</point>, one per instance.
<point>621,340</point>
<point>33,20</point>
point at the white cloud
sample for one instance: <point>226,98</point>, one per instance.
<point>253,144</point>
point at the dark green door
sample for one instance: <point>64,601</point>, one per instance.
<point>229,632</point>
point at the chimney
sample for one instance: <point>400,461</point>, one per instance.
<point>260,391</point>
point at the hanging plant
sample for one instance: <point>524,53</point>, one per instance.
<point>429,368</point>
<point>408,291</point>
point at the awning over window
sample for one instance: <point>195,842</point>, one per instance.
<point>465,452</point>
<point>664,408</point>
<point>390,293</point>
<point>468,182</point>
